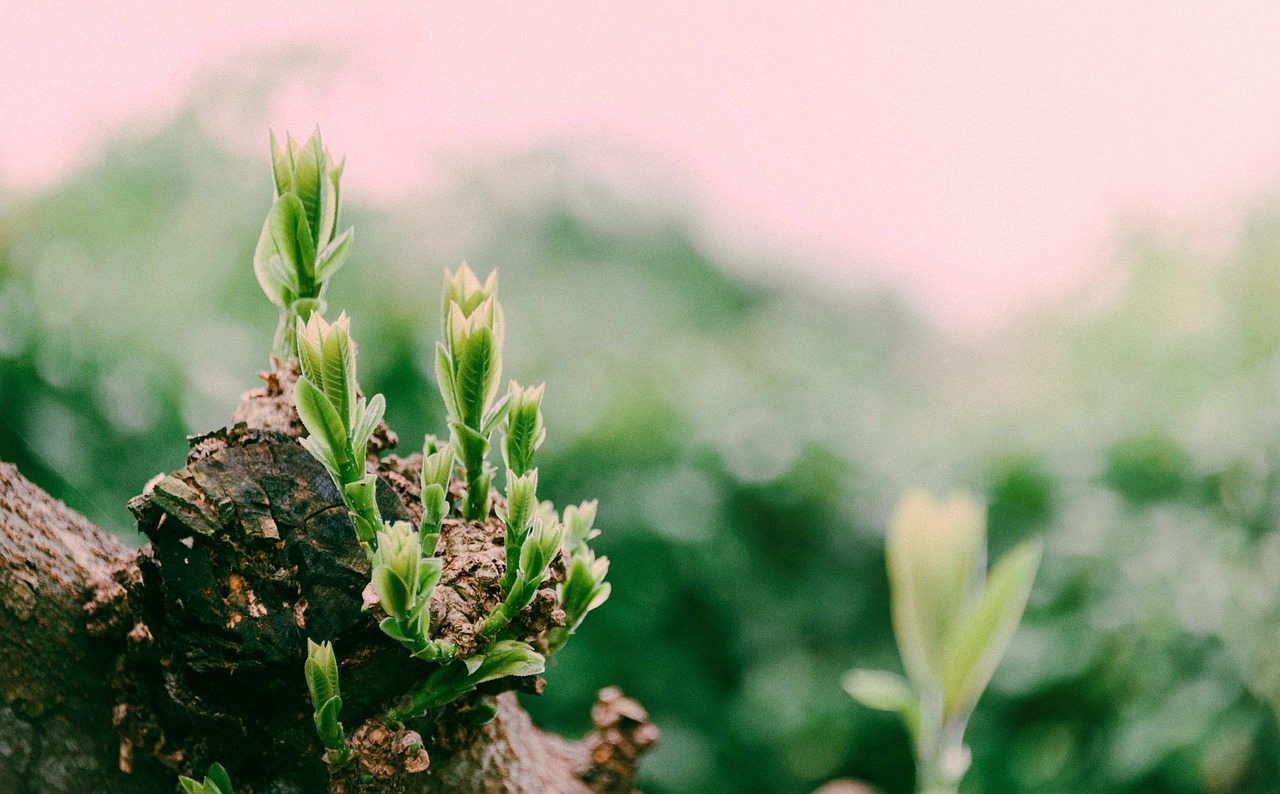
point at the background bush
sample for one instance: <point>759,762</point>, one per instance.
<point>747,433</point>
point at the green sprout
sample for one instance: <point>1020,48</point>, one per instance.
<point>337,418</point>
<point>536,554</point>
<point>953,623</point>
<point>403,578</point>
<point>501,659</point>
<point>216,781</point>
<point>437,466</point>
<point>584,587</point>
<point>300,248</point>
<point>468,366</point>
<point>321,670</point>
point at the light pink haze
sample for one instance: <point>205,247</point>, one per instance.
<point>978,154</point>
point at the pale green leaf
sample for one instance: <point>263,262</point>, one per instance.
<point>320,418</point>
<point>392,591</point>
<point>334,256</point>
<point>311,180</point>
<point>982,638</point>
<point>935,552</point>
<point>281,165</point>
<point>338,372</point>
<point>880,690</point>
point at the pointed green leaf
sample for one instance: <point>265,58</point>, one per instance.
<point>444,380</point>
<point>271,274</point>
<point>879,690</point>
<point>283,222</point>
<point>391,628</point>
<point>328,210</point>
<point>982,638</point>
<point>334,256</point>
<point>311,180</point>
<point>338,370</point>
<point>281,165</point>
<point>366,422</point>
<point>475,365</point>
<point>320,418</point>
<point>218,776</point>
<point>190,786</point>
<point>392,591</point>
<point>508,658</point>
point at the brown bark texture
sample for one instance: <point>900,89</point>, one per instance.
<point>122,669</point>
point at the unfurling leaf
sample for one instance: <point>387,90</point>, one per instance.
<point>980,641</point>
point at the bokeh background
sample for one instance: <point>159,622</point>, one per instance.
<point>775,263</point>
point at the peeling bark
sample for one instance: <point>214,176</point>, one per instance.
<point>192,649</point>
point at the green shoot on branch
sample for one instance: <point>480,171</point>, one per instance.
<point>584,587</point>
<point>300,248</point>
<point>321,670</point>
<point>953,623</point>
<point>337,418</point>
<point>502,658</point>
<point>468,366</point>
<point>539,550</point>
<point>403,578</point>
<point>437,467</point>
<point>216,781</point>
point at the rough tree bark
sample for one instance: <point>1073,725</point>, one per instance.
<point>122,669</point>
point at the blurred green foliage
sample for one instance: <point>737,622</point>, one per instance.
<point>746,433</point>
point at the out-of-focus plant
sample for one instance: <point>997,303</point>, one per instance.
<point>953,623</point>
<point>300,248</point>
<point>216,781</point>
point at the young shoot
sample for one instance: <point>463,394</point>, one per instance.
<point>953,623</point>
<point>536,555</point>
<point>216,781</point>
<point>300,248</point>
<point>502,658</point>
<point>403,578</point>
<point>338,419</point>
<point>584,587</point>
<point>468,367</point>
<point>321,670</point>
<point>437,467</point>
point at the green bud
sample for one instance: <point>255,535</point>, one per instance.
<point>396,572</point>
<point>578,523</point>
<point>216,781</point>
<point>523,431</point>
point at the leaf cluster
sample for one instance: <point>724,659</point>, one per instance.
<point>300,248</point>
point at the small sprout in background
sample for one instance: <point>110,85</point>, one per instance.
<point>326,698</point>
<point>337,417</point>
<point>437,466</point>
<point>536,555</point>
<point>584,587</point>
<point>953,624</point>
<point>502,658</point>
<point>468,366</point>
<point>300,248</point>
<point>403,579</point>
<point>216,781</point>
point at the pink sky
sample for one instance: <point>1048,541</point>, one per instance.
<point>979,154</point>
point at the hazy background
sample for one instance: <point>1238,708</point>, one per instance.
<point>775,264</point>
